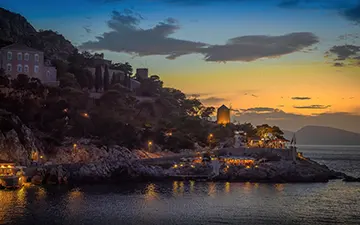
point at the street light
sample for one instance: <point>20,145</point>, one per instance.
<point>86,115</point>
<point>150,143</point>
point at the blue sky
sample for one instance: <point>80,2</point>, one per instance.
<point>278,46</point>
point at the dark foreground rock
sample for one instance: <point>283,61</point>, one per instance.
<point>351,179</point>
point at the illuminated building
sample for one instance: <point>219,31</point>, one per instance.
<point>223,115</point>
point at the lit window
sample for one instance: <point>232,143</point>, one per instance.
<point>36,69</point>
<point>19,68</point>
<point>9,55</point>
<point>9,67</point>
<point>26,68</point>
<point>19,56</point>
<point>26,56</point>
<point>36,58</point>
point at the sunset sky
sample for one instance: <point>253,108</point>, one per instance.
<point>284,62</point>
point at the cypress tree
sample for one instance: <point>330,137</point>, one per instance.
<point>106,78</point>
<point>113,78</point>
<point>98,78</point>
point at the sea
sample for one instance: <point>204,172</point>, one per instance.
<point>192,202</point>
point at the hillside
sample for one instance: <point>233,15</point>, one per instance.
<point>14,28</point>
<point>317,135</point>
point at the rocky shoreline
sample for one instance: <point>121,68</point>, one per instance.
<point>90,163</point>
<point>121,165</point>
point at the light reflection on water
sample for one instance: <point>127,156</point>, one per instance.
<point>184,202</point>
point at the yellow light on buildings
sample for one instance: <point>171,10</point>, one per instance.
<point>74,145</point>
<point>150,143</point>
<point>192,166</point>
<point>256,166</point>
<point>211,135</point>
<point>41,157</point>
<point>175,166</point>
<point>247,167</point>
<point>181,165</point>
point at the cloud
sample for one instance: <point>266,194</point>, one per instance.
<point>212,100</point>
<point>337,64</point>
<point>312,107</point>
<point>253,47</point>
<point>259,110</point>
<point>126,36</point>
<point>87,29</point>
<point>353,14</point>
<point>197,95</point>
<point>300,98</point>
<point>345,55</point>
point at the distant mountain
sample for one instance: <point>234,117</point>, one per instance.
<point>317,135</point>
<point>14,28</point>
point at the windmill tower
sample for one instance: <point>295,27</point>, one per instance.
<point>223,115</point>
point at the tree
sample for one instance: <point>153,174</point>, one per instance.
<point>106,78</point>
<point>4,81</point>
<point>21,82</point>
<point>207,112</point>
<point>98,78</point>
<point>2,72</point>
<point>127,69</point>
<point>90,79</point>
<point>68,80</point>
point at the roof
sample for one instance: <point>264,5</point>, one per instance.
<point>223,107</point>
<point>18,46</point>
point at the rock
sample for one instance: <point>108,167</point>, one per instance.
<point>37,179</point>
<point>351,179</point>
<point>18,141</point>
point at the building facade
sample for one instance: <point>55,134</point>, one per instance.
<point>19,59</point>
<point>142,73</point>
<point>223,115</point>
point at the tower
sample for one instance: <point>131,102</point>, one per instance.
<point>223,115</point>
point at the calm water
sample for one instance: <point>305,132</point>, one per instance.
<point>191,202</point>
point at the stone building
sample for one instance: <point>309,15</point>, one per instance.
<point>223,115</point>
<point>19,59</point>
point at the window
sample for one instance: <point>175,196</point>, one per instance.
<point>36,58</point>
<point>9,67</point>
<point>36,69</point>
<point>19,56</point>
<point>26,68</point>
<point>9,55</point>
<point>48,73</point>
<point>26,56</point>
<point>19,68</point>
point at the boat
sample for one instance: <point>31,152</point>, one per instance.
<point>11,176</point>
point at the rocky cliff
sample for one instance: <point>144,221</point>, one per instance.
<point>17,141</point>
<point>14,28</point>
